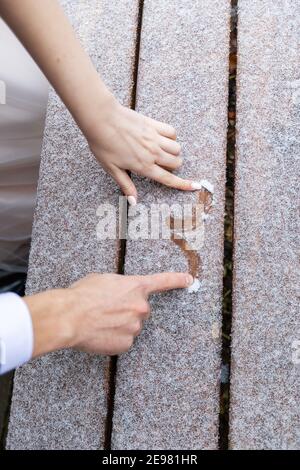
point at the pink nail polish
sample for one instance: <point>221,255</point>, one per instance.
<point>131,201</point>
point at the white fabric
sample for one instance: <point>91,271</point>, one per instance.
<point>21,130</point>
<point>16,332</point>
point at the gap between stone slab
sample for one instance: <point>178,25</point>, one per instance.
<point>113,365</point>
<point>228,236</point>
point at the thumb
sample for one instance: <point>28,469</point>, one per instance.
<point>166,281</point>
<point>126,184</point>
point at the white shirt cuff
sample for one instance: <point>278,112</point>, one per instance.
<point>16,332</point>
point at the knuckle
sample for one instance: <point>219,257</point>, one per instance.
<point>168,180</point>
<point>149,142</point>
<point>148,162</point>
<point>177,162</point>
<point>172,131</point>
<point>147,134</point>
<point>125,344</point>
<point>177,182</point>
<point>140,164</point>
<point>140,308</point>
<point>138,283</point>
<point>128,189</point>
<point>136,327</point>
<point>145,162</point>
<point>129,343</point>
<point>177,148</point>
<point>153,149</point>
<point>142,283</point>
<point>143,308</point>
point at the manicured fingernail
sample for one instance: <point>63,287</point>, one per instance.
<point>132,201</point>
<point>196,185</point>
<point>189,279</point>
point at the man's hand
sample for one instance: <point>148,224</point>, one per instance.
<point>101,313</point>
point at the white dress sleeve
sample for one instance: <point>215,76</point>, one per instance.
<point>22,114</point>
<point>16,332</point>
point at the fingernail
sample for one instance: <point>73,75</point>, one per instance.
<point>189,279</point>
<point>196,185</point>
<point>132,201</point>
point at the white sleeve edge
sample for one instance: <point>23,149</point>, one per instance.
<point>16,332</point>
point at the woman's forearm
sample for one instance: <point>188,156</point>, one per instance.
<point>121,139</point>
<point>47,34</point>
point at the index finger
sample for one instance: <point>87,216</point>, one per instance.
<point>168,179</point>
<point>166,281</point>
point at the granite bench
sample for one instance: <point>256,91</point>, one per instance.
<point>165,392</point>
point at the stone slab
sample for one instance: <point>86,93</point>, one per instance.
<point>60,400</point>
<point>265,382</point>
<point>167,387</point>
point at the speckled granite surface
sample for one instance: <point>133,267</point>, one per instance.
<point>59,401</point>
<point>167,390</point>
<point>265,383</point>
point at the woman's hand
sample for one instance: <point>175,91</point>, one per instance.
<point>123,140</point>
